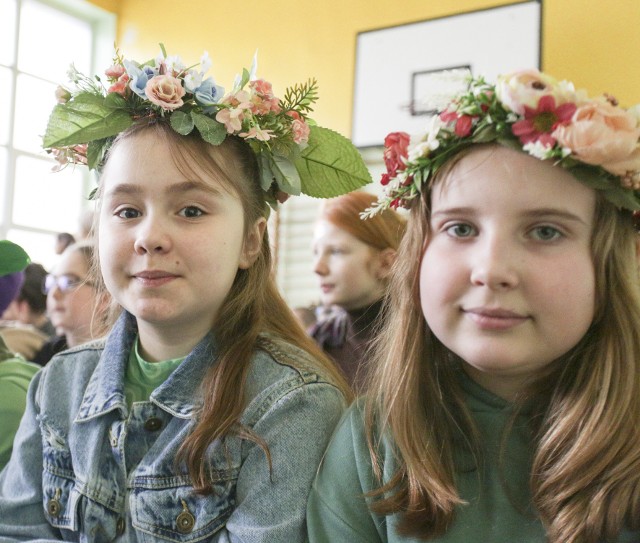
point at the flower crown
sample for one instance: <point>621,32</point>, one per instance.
<point>593,138</point>
<point>294,155</point>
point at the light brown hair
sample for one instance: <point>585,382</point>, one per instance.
<point>585,478</point>
<point>253,305</point>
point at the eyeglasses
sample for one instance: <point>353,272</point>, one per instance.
<point>65,283</point>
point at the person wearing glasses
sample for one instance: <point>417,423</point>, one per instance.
<point>73,304</point>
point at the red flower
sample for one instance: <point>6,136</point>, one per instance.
<point>462,123</point>
<point>539,123</point>
<point>396,149</point>
<point>384,180</point>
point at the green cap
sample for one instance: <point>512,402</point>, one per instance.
<point>13,258</point>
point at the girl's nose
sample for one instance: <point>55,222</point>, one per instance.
<point>152,237</point>
<point>320,265</point>
<point>495,265</point>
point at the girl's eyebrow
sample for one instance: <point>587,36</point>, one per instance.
<point>183,186</point>
<point>538,213</point>
<point>187,186</point>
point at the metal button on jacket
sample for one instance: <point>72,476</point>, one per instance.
<point>53,505</point>
<point>185,521</point>
<point>120,526</point>
<point>153,424</point>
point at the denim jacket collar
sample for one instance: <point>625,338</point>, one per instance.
<point>178,395</point>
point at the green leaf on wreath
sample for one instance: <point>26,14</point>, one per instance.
<point>85,118</point>
<point>330,165</point>
<point>211,130</point>
<point>182,123</point>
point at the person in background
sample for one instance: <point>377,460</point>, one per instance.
<point>506,396</point>
<point>15,372</point>
<point>352,259</point>
<point>30,306</point>
<point>63,240</point>
<point>76,309</point>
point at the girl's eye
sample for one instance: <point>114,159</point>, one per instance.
<point>545,233</point>
<point>461,230</point>
<point>191,212</point>
<point>336,251</point>
<point>128,213</point>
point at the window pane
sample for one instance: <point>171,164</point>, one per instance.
<point>39,247</point>
<point>34,101</point>
<point>42,199</point>
<point>6,88</point>
<point>7,32</point>
<point>67,40</point>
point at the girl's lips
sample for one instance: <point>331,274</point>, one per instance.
<point>494,319</point>
<point>154,278</point>
<point>326,288</point>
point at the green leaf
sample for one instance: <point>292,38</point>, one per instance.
<point>13,258</point>
<point>591,177</point>
<point>182,123</point>
<point>115,100</point>
<point>245,77</point>
<point>211,130</point>
<point>83,119</point>
<point>622,198</point>
<point>330,165</point>
<point>95,153</point>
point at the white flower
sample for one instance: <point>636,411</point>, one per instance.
<point>538,149</point>
<point>205,62</point>
<point>192,80</point>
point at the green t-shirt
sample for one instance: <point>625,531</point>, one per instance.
<point>498,508</point>
<point>15,376</point>
<point>143,377</point>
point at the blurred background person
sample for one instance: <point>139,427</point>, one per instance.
<point>30,306</point>
<point>63,240</point>
<point>15,372</point>
<point>74,306</point>
<point>352,259</point>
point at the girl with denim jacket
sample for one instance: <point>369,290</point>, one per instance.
<point>505,400</point>
<point>204,413</point>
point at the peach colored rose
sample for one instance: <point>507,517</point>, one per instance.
<point>300,131</point>
<point>525,88</point>
<point>120,86</point>
<point>62,95</point>
<point>165,91</point>
<point>602,134</point>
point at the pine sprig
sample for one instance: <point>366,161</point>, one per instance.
<point>300,97</point>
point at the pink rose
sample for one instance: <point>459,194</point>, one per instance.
<point>165,91</point>
<point>603,134</point>
<point>525,88</point>
<point>396,149</point>
<point>300,131</point>
<point>115,71</point>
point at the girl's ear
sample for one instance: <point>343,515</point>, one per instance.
<point>386,258</point>
<point>252,243</point>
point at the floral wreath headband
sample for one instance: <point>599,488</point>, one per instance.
<point>593,138</point>
<point>294,154</point>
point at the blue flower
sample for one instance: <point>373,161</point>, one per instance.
<point>208,93</point>
<point>139,77</point>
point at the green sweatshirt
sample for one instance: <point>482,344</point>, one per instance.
<point>494,513</point>
<point>15,376</point>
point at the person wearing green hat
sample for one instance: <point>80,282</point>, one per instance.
<point>15,372</point>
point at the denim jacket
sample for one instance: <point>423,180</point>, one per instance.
<point>85,467</point>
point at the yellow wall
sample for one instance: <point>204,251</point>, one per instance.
<point>593,43</point>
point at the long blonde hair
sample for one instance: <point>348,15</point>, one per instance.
<point>585,478</point>
<point>252,307</point>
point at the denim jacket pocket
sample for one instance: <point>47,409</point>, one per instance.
<point>60,499</point>
<point>168,508</point>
